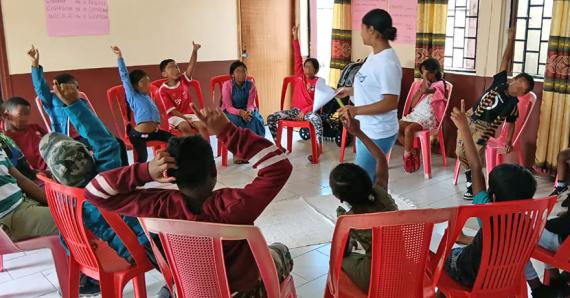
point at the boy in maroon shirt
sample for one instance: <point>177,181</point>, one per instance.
<point>27,136</point>
<point>189,163</point>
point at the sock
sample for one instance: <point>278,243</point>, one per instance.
<point>561,185</point>
<point>468,176</point>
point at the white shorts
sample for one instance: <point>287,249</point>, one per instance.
<point>174,121</point>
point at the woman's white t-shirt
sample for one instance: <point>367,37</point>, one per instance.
<point>380,74</point>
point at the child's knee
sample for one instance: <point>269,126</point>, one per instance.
<point>564,155</point>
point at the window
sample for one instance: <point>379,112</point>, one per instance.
<point>324,32</point>
<point>531,42</point>
<point>461,35</point>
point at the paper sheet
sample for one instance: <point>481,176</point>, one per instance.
<point>323,94</point>
<point>77,17</point>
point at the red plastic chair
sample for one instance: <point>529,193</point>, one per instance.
<point>510,233</point>
<point>290,124</point>
<point>195,259</point>
<point>47,120</point>
<point>343,145</point>
<point>116,96</point>
<point>7,246</point>
<point>400,253</point>
<point>422,138</point>
<point>218,81</point>
<point>89,255</point>
<point>495,151</point>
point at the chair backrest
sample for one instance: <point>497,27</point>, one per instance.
<point>415,86</point>
<point>526,104</point>
<point>116,96</point>
<point>289,80</point>
<point>66,207</point>
<point>401,242</point>
<point>195,255</point>
<point>218,81</point>
<point>510,233</point>
<point>47,119</point>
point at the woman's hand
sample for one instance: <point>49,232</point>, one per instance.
<point>301,116</point>
<point>344,92</point>
<point>245,115</point>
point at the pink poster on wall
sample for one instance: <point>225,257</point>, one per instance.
<point>403,12</point>
<point>77,17</point>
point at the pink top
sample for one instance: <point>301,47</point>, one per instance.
<point>304,90</point>
<point>227,104</point>
<point>438,98</point>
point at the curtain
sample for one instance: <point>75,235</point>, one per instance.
<point>341,44</point>
<point>430,35</point>
<point>554,127</point>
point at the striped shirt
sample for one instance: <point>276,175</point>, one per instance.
<point>10,193</point>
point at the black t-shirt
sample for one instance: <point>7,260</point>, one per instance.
<point>496,105</point>
<point>560,226</point>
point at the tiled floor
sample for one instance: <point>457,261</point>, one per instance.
<point>32,274</point>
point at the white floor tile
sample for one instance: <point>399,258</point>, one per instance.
<point>315,288</point>
<point>33,285</point>
<point>29,264</point>
<point>311,265</point>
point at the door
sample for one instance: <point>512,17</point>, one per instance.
<point>265,44</point>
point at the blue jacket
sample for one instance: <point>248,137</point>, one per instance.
<point>107,157</point>
<point>50,102</point>
<point>142,105</point>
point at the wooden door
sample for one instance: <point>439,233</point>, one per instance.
<point>265,44</point>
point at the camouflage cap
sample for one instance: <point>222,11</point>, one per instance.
<point>68,160</point>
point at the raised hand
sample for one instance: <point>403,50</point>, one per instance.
<point>295,32</point>
<point>196,46</point>
<point>34,54</point>
<point>458,116</point>
<point>117,51</point>
<point>158,167</point>
<point>68,93</point>
<point>214,119</point>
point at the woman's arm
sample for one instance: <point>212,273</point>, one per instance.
<point>227,99</point>
<point>251,98</point>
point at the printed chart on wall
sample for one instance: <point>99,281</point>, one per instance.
<point>403,12</point>
<point>77,17</point>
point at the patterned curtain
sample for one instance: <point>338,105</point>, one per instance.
<point>341,47</point>
<point>430,35</point>
<point>554,127</point>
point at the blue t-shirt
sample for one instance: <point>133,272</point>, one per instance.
<point>481,198</point>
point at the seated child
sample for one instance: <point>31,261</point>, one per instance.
<point>427,110</point>
<point>189,162</point>
<point>146,114</point>
<point>238,102</point>
<point>303,94</point>
<point>71,164</point>
<point>555,233</point>
<point>54,106</point>
<point>561,187</point>
<point>497,105</point>
<point>507,182</point>
<point>175,96</point>
<point>351,184</point>
<point>23,210</point>
<point>26,135</point>
<point>14,153</point>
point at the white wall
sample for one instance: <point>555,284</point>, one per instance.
<point>146,30</point>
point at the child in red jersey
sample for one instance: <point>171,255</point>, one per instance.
<point>175,96</point>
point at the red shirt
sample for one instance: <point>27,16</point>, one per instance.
<point>304,91</point>
<point>29,141</point>
<point>176,97</point>
<point>227,205</point>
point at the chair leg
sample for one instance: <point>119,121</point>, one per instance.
<point>354,145</point>
<point>108,287</point>
<point>224,155</point>
<point>1,263</point>
<point>426,154</point>
<point>279,135</point>
<point>61,262</point>
<point>456,171</point>
<point>73,278</point>
<point>290,139</point>
<point>442,148</point>
<point>139,286</point>
<point>219,148</point>
<point>343,144</point>
<point>314,145</point>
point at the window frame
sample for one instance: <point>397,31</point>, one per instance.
<point>453,47</point>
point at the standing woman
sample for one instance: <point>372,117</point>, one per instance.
<point>376,89</point>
